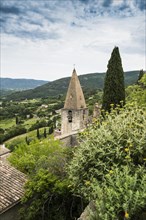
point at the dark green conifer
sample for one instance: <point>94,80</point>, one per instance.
<point>51,129</point>
<point>27,141</point>
<point>45,133</point>
<point>17,120</point>
<point>114,89</point>
<point>38,133</point>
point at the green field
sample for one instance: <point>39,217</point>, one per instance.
<point>29,122</point>
<point>7,123</point>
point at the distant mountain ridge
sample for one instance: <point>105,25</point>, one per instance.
<point>58,87</point>
<point>20,84</point>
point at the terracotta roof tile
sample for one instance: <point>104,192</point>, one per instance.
<point>11,186</point>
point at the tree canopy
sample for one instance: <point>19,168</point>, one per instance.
<point>108,166</point>
<point>114,89</point>
<point>47,192</point>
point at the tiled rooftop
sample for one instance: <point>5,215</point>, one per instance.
<point>11,186</point>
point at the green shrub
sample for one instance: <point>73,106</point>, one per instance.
<point>143,80</point>
<point>30,158</point>
<point>122,194</point>
<point>137,93</point>
<point>113,143</point>
<point>48,197</point>
<point>47,193</point>
<point>14,143</point>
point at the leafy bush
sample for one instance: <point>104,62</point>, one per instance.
<point>44,154</point>
<point>47,189</point>
<point>48,197</point>
<point>116,142</point>
<point>14,143</point>
<point>122,194</point>
<point>137,93</point>
<point>143,80</point>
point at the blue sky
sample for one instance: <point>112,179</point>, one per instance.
<point>43,39</point>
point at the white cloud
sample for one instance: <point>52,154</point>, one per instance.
<point>44,41</point>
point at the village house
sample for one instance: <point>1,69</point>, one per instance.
<point>11,187</point>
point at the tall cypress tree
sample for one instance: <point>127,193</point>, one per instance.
<point>45,133</point>
<point>38,133</point>
<point>114,89</point>
<point>17,120</point>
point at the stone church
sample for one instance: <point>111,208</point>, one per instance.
<point>74,115</point>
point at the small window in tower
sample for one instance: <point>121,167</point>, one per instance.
<point>69,116</point>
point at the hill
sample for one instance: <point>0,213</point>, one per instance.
<point>58,87</point>
<point>20,84</point>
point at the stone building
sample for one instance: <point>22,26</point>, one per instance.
<point>74,115</point>
<point>11,188</point>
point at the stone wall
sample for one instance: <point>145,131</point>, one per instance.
<point>79,120</point>
<point>69,140</point>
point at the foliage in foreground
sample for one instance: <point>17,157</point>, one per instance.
<point>110,149</point>
<point>46,154</point>
<point>47,195</point>
<point>123,194</point>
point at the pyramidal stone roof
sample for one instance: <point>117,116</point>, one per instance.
<point>75,97</point>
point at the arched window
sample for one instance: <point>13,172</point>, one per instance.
<point>69,116</point>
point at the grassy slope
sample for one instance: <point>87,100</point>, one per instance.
<point>7,123</point>
<point>21,138</point>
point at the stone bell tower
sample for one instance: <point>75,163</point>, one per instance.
<point>74,115</point>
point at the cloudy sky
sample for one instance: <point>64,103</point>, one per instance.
<point>43,39</point>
